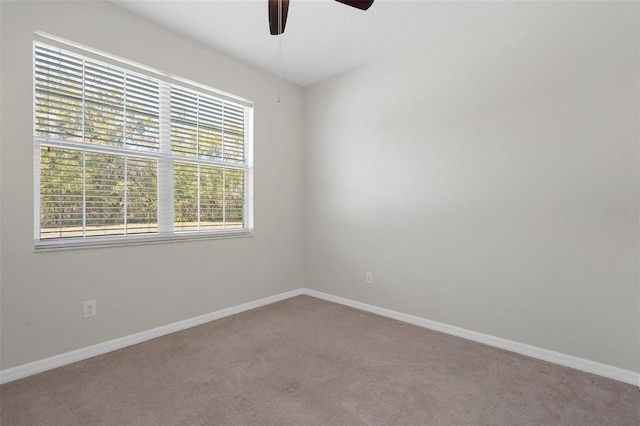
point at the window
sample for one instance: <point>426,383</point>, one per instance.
<point>124,154</point>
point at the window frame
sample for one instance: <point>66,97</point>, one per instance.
<point>164,157</point>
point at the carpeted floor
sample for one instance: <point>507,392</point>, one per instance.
<point>304,361</point>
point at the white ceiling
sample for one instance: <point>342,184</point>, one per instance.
<point>322,37</point>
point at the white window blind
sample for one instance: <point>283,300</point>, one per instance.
<point>123,156</point>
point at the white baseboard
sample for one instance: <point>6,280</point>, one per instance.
<point>56,361</point>
<point>581,364</point>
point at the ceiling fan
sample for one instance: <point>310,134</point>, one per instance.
<point>278,10</point>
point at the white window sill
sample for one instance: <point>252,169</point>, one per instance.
<point>102,242</point>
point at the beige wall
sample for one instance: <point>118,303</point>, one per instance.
<point>140,287</point>
<point>472,176</point>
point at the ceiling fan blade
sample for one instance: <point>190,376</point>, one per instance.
<point>360,4</point>
<point>275,25</point>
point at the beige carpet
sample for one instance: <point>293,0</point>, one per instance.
<point>305,361</point>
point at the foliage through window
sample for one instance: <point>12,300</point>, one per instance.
<point>124,154</point>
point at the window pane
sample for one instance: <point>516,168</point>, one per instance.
<point>58,95</point>
<point>211,130</point>
<point>211,198</point>
<point>209,143</point>
<point>60,193</point>
<point>104,105</point>
<point>233,134</point>
<point>142,196</point>
<point>184,123</point>
<point>205,127</point>
<point>85,100</point>
<point>185,197</point>
<point>142,105</point>
<point>234,198</point>
<point>104,182</point>
<point>207,198</point>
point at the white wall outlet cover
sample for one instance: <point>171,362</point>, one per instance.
<point>89,308</point>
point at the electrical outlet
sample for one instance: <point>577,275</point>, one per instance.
<point>368,278</point>
<point>89,308</point>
